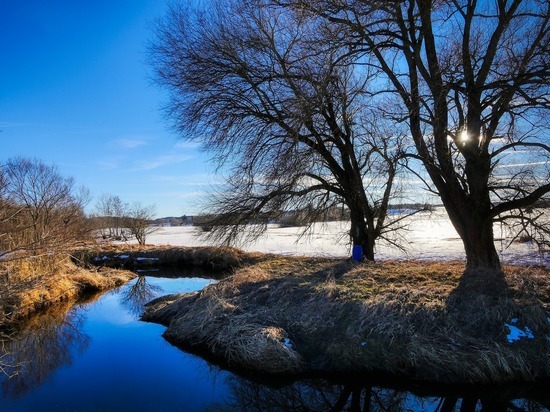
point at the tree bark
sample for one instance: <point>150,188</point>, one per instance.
<point>479,245</point>
<point>360,233</point>
<point>474,225</point>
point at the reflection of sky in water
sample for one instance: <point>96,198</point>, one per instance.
<point>175,285</point>
<point>127,366</point>
<point>108,310</point>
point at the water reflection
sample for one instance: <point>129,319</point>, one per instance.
<point>319,395</point>
<point>137,293</point>
<point>44,344</point>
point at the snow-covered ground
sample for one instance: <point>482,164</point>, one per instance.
<point>429,236</point>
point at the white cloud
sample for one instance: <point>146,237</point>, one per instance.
<point>108,164</point>
<point>128,143</point>
<point>197,179</point>
<point>522,164</point>
<point>161,161</point>
<point>10,124</point>
<point>186,145</point>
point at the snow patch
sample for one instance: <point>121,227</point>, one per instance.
<point>288,343</point>
<point>516,333</point>
<point>430,236</point>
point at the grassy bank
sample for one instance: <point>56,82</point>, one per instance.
<point>298,316</point>
<point>33,285</point>
<point>26,289</point>
<point>134,257</point>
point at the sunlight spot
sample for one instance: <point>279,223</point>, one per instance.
<point>464,136</point>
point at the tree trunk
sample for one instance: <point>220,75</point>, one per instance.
<point>361,235</point>
<point>480,248</point>
<point>475,229</point>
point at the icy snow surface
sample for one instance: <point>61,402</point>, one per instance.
<point>516,333</point>
<point>429,236</point>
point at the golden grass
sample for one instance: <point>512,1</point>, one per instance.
<point>414,319</point>
<point>29,290</point>
<point>365,282</point>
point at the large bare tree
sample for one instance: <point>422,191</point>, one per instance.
<point>472,78</point>
<point>282,107</point>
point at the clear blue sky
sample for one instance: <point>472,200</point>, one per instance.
<point>74,92</point>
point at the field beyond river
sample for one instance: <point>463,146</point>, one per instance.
<point>429,236</point>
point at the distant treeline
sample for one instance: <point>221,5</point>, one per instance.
<point>174,221</point>
<point>296,217</point>
<point>287,218</point>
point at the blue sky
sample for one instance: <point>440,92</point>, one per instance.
<point>74,92</point>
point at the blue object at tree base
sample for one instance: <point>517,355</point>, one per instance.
<point>357,253</point>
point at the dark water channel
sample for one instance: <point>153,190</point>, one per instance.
<point>98,356</point>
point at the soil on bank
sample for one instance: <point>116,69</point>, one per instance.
<point>296,316</point>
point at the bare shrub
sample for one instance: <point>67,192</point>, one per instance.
<point>41,213</point>
<point>139,219</point>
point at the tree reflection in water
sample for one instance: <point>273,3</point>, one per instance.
<point>6,361</point>
<point>136,295</point>
<point>47,342</point>
<point>317,395</point>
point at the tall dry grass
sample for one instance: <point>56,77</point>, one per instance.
<point>28,286</point>
<point>411,319</point>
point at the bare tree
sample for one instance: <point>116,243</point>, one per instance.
<point>267,93</point>
<point>472,79</point>
<point>111,213</point>
<point>118,220</point>
<point>138,221</point>
<point>41,213</point>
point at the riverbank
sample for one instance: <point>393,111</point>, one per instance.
<point>301,316</point>
<point>33,293</point>
<point>25,289</point>
<point>134,257</point>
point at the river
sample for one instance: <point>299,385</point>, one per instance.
<point>98,356</point>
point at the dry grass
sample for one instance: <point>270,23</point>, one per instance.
<point>27,288</point>
<point>420,320</point>
<point>131,256</point>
